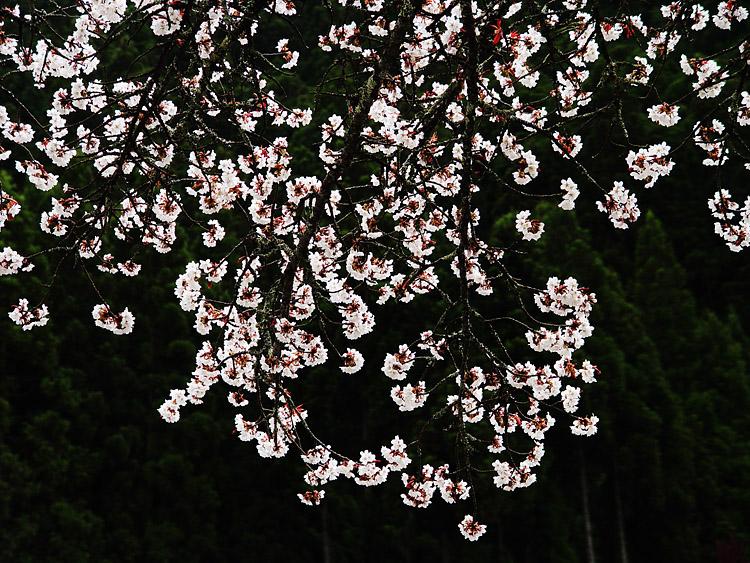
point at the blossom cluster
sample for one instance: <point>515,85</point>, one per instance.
<point>453,103</point>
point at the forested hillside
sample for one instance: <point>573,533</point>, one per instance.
<point>89,471</point>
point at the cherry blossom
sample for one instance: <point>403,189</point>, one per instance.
<point>440,108</point>
<point>471,529</point>
<point>664,114</point>
<point>353,361</point>
<point>118,323</point>
<point>28,318</point>
<point>621,206</point>
<point>570,193</point>
<point>531,229</point>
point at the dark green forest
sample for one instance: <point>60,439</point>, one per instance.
<point>89,471</point>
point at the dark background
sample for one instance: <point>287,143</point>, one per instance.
<point>89,472</point>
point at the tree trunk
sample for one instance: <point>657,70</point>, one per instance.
<point>620,521</point>
<point>446,558</point>
<point>590,557</point>
<point>326,537</point>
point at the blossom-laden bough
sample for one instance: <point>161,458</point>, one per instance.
<point>441,103</point>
